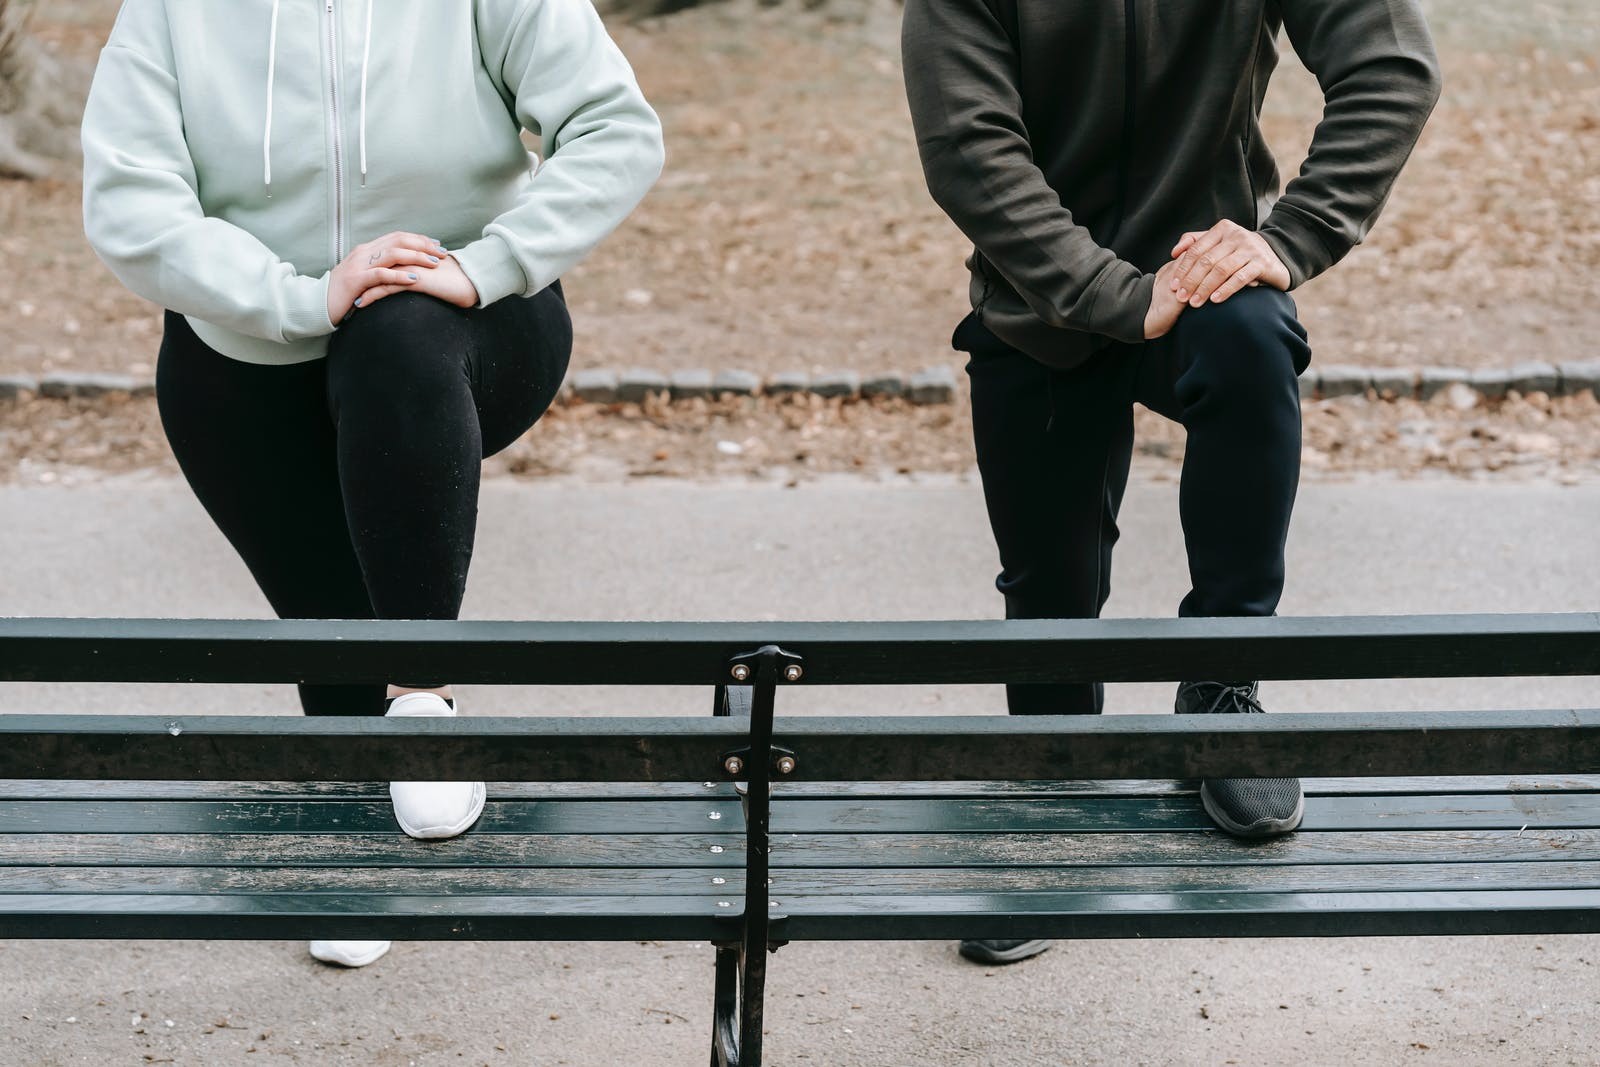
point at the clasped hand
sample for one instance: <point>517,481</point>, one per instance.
<point>1212,266</point>
<point>397,262</point>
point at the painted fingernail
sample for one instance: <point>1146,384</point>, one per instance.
<point>434,258</point>
<point>358,303</point>
<point>413,277</point>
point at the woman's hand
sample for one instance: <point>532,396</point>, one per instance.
<point>390,261</point>
<point>1223,260</point>
<point>445,281</point>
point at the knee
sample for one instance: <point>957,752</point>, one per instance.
<point>1253,339</point>
<point>405,343</point>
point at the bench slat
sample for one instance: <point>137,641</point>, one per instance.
<point>914,881</point>
<point>909,816</point>
<point>1188,914</point>
<point>850,749</point>
<point>373,850</point>
<point>359,916</point>
<point>586,653</point>
<point>376,817</point>
<point>1144,849</point>
<point>94,789</point>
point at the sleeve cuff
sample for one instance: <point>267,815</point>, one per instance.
<point>1297,245</point>
<point>492,269</point>
<point>305,310</point>
<point>1120,301</point>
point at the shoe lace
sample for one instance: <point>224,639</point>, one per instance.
<point>1230,698</point>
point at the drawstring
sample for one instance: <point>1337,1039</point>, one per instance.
<point>366,51</point>
<point>272,66</point>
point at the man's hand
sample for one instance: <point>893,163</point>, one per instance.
<point>1221,261</point>
<point>1165,307</point>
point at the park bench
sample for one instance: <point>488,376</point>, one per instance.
<point>748,833</point>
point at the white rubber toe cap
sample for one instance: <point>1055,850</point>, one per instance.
<point>431,811</point>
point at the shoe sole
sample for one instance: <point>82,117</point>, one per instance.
<point>1026,950</point>
<point>439,833</point>
<point>1258,829</point>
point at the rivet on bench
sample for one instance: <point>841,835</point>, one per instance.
<point>716,849</point>
<point>724,904</point>
<point>741,672</point>
<point>733,764</point>
<point>792,672</point>
<point>719,881</point>
<point>786,764</point>
<point>714,816</point>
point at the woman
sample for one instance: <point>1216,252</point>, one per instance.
<point>359,259</point>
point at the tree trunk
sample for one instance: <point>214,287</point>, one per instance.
<point>41,102</point>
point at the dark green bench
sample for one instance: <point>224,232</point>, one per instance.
<point>878,828</point>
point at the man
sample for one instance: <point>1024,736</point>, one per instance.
<point>1105,158</point>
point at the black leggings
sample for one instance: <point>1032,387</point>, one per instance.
<point>1054,448</point>
<point>349,485</point>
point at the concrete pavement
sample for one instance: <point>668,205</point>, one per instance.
<point>834,549</point>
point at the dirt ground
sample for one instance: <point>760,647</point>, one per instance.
<point>792,231</point>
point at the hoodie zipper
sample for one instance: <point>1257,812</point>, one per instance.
<point>338,144</point>
<point>1130,88</point>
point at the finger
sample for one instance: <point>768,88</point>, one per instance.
<point>1226,268</point>
<point>1206,256</point>
<point>1184,242</point>
<point>389,276</point>
<point>407,257</point>
<point>1246,277</point>
<point>1190,267</point>
<point>376,293</point>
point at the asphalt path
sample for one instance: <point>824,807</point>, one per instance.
<point>848,549</point>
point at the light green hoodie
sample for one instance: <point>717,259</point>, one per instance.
<point>236,150</point>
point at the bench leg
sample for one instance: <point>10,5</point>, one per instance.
<point>739,1007</point>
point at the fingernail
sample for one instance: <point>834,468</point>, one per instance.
<point>1183,294</point>
<point>434,258</point>
<point>358,303</point>
<point>413,277</point>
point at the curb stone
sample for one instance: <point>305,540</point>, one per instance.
<point>934,385</point>
<point>12,386</point>
<point>691,384</point>
<point>636,385</point>
<point>837,384</point>
<point>60,386</point>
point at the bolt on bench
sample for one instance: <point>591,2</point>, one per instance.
<point>750,832</point>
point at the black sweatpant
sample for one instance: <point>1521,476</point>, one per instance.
<point>1054,447</point>
<point>349,485</point>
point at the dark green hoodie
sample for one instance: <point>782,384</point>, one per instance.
<point>1074,141</point>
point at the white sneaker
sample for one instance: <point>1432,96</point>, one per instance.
<point>348,953</point>
<point>433,810</point>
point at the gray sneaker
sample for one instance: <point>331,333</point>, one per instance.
<point>996,953</point>
<point>1244,807</point>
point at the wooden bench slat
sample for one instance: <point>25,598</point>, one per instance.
<point>1188,914</point>
<point>486,881</point>
<point>1118,814</point>
<point>94,789</point>
<point>821,815</point>
<point>915,881</point>
<point>688,816</point>
<point>373,850</point>
<point>1147,849</point>
<point>838,653</point>
<point>269,916</point>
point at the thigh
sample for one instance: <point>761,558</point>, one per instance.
<point>257,447</point>
<point>519,351</point>
<point>1053,451</point>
